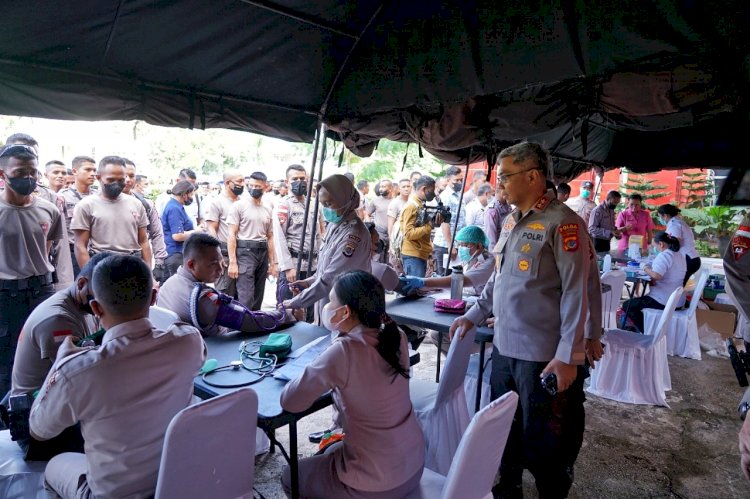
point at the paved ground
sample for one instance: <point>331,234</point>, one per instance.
<point>688,450</point>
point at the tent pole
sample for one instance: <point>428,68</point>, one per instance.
<point>313,233</point>
<point>458,213</point>
<point>318,133</point>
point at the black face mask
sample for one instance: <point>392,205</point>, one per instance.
<point>256,193</point>
<point>237,190</point>
<point>429,195</point>
<point>21,186</point>
<point>188,201</point>
<point>87,306</point>
<point>299,188</point>
<point>384,193</point>
<point>276,192</point>
<point>611,206</point>
<point>113,190</point>
<point>458,186</point>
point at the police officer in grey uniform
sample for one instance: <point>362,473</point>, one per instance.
<point>84,171</point>
<point>288,219</point>
<point>543,257</point>
<point>154,228</point>
<point>217,211</point>
<point>345,246</point>
<point>30,227</point>
<point>60,256</point>
<point>124,430</point>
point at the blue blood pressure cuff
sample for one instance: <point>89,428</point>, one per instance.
<point>229,312</point>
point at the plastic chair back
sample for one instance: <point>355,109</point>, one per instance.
<point>698,292</point>
<point>455,366</point>
<point>478,456</point>
<point>616,279</point>
<point>161,318</point>
<point>209,449</point>
<point>666,316</point>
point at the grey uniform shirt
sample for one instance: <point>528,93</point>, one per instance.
<point>737,270</point>
<point>124,393</point>
<point>60,252</point>
<point>155,231</point>
<point>112,224</point>
<point>288,218</point>
<point>217,210</point>
<point>601,222</point>
<point>539,289</point>
<point>175,295</point>
<point>43,332</point>
<point>24,232</point>
<point>345,247</point>
<point>72,196</point>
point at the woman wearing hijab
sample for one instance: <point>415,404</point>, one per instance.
<point>345,246</point>
<point>177,224</point>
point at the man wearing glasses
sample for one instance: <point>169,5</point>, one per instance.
<point>30,227</point>
<point>539,295</point>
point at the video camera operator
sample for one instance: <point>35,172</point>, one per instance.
<point>416,247</point>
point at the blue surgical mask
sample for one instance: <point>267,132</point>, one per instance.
<point>464,254</point>
<point>331,215</point>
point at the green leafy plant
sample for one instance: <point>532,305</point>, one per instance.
<point>713,221</point>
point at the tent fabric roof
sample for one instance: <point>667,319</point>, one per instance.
<point>613,83</point>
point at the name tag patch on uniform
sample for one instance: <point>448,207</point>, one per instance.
<point>569,233</point>
<point>524,265</point>
<point>741,242</point>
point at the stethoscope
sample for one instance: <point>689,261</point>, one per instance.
<point>264,366</point>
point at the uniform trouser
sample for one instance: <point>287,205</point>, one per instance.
<point>414,266</point>
<point>70,440</point>
<point>224,283</point>
<point>634,309</point>
<point>693,264</point>
<point>284,293</point>
<point>172,263</point>
<point>65,476</point>
<point>76,267</point>
<point>602,245</point>
<point>15,307</point>
<point>438,252</point>
<point>253,270</point>
<point>318,478</point>
<point>547,431</point>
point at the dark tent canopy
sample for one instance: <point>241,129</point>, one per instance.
<point>647,85</point>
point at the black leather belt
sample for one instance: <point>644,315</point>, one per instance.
<point>305,255</point>
<point>252,244</point>
<point>36,281</point>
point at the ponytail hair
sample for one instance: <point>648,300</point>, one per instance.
<point>365,296</point>
<point>672,242</point>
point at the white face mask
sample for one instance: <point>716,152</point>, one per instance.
<point>326,317</point>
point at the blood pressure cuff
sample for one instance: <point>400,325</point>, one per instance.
<point>278,344</point>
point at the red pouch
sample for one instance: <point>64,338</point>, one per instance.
<point>450,306</point>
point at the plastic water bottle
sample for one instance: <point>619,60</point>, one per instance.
<point>457,282</point>
<point>607,266</point>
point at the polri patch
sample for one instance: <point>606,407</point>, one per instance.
<point>348,250</point>
<point>523,265</point>
<point>569,234</point>
<point>741,242</point>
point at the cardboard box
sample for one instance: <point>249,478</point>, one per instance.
<point>721,318</point>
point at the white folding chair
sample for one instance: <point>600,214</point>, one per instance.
<point>161,318</point>
<point>477,458</point>
<point>470,382</point>
<point>634,367</point>
<point>611,301</point>
<point>441,408</point>
<point>209,449</point>
<point>682,330</point>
